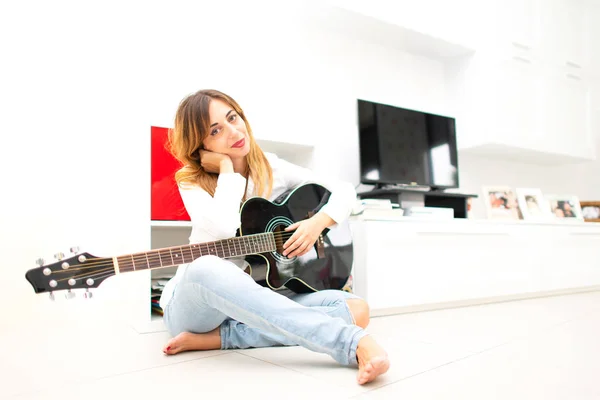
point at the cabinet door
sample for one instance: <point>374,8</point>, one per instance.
<point>518,23</point>
<point>562,31</point>
<point>500,103</point>
<point>564,120</point>
<point>516,85</point>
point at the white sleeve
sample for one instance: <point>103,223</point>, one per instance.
<point>219,216</point>
<point>343,194</point>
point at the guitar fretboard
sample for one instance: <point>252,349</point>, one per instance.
<point>172,256</point>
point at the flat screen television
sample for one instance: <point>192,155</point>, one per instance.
<point>400,146</point>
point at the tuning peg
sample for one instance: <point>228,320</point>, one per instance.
<point>39,262</point>
<point>52,296</point>
<point>74,249</point>
<point>88,294</point>
<point>69,295</point>
<point>59,256</point>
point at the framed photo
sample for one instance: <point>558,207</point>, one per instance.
<point>565,207</point>
<point>590,210</point>
<point>532,204</point>
<point>501,203</point>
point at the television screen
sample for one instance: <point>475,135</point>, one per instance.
<point>403,146</point>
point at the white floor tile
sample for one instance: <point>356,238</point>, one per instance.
<point>482,327</point>
<point>225,376</point>
<point>559,363</point>
<point>49,352</point>
<point>407,358</point>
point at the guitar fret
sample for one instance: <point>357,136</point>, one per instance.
<point>191,251</point>
<point>195,248</point>
<point>178,257</point>
<point>272,244</point>
<point>154,260</point>
<point>165,258</point>
<point>184,256</point>
<point>124,264</point>
<point>262,244</point>
<point>172,259</point>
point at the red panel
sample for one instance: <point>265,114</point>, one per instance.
<point>166,203</point>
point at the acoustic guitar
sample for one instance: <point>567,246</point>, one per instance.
<point>259,239</point>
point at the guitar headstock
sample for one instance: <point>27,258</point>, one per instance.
<point>80,271</point>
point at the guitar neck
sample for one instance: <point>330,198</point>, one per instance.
<point>173,256</point>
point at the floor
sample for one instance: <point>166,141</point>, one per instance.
<point>546,348</point>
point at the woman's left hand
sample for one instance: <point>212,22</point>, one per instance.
<point>306,234</point>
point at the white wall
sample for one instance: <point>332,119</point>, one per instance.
<point>82,84</point>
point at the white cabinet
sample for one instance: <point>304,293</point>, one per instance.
<point>527,94</point>
<point>519,107</point>
<point>553,31</point>
<point>409,265</point>
<point>499,104</point>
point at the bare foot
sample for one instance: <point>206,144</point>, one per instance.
<point>187,341</point>
<point>372,360</point>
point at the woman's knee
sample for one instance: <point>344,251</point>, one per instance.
<point>201,269</point>
<point>360,311</point>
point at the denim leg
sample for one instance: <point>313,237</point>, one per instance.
<point>331,302</point>
<point>211,282</point>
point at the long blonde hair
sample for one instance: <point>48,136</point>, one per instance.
<point>192,124</point>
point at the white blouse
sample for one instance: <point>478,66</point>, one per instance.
<point>218,217</point>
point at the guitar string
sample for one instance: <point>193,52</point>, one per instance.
<point>155,254</point>
<point>179,249</point>
<point>90,274</point>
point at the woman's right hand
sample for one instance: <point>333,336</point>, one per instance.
<point>215,162</point>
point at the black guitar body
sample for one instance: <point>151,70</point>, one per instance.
<point>309,272</point>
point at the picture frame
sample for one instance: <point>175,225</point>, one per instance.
<point>532,204</point>
<point>501,203</point>
<point>565,207</point>
<point>590,210</point>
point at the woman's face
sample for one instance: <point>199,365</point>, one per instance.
<point>227,133</point>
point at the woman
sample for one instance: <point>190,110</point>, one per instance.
<point>212,303</point>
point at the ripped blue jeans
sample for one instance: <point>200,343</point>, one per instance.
<point>214,292</point>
